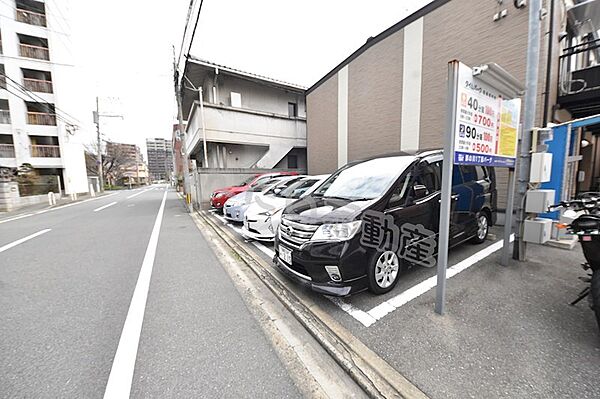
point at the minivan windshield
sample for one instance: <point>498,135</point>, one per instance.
<point>366,180</point>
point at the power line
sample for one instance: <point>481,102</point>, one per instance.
<point>43,103</point>
<point>195,26</point>
<point>187,22</point>
<point>31,95</point>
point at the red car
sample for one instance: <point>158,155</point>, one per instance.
<point>220,195</point>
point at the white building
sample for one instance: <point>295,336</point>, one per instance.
<point>36,102</point>
<point>250,121</point>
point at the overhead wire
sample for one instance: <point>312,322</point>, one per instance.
<point>187,22</point>
<point>60,114</point>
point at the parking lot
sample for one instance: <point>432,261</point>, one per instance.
<point>508,331</point>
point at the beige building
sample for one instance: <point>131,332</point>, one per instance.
<point>390,94</point>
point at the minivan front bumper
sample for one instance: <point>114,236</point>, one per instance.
<point>308,267</point>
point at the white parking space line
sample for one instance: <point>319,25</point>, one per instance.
<point>368,318</point>
<point>140,193</point>
<point>414,292</point>
<point>22,240</point>
<point>121,373</point>
<point>360,315</point>
<point>105,206</point>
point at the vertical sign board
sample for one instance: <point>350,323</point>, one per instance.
<point>486,126</point>
<point>483,131</point>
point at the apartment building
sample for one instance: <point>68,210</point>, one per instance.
<point>160,158</point>
<point>36,125</point>
<point>247,120</point>
<point>390,94</point>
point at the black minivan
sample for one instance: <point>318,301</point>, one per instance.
<point>373,218</point>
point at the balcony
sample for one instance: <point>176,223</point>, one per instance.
<point>4,117</point>
<point>41,118</point>
<point>36,52</point>
<point>37,85</point>
<point>45,151</point>
<point>7,151</point>
<point>31,17</point>
<point>579,83</point>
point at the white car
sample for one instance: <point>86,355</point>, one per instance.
<point>235,207</point>
<point>261,219</point>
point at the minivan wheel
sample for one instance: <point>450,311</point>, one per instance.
<point>383,272</point>
<point>483,227</point>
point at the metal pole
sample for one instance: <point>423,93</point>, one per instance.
<point>99,138</point>
<point>203,127</point>
<point>186,178</point>
<point>531,81</point>
<point>508,219</point>
<point>444,230</point>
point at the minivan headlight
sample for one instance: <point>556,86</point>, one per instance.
<point>336,231</point>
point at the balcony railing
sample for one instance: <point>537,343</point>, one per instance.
<point>580,68</point>
<point>37,85</point>
<point>4,117</point>
<point>45,151</point>
<point>7,151</point>
<point>41,118</point>
<point>31,18</point>
<point>37,52</point>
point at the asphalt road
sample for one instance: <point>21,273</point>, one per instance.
<point>66,293</point>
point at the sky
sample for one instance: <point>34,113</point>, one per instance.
<point>123,50</point>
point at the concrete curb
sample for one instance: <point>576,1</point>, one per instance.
<point>372,373</point>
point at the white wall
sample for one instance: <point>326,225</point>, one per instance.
<point>65,85</point>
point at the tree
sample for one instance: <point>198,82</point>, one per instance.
<point>114,162</point>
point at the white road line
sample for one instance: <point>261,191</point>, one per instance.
<point>403,298</point>
<point>22,240</point>
<point>105,206</point>
<point>139,193</point>
<point>121,373</point>
<point>17,218</point>
<point>56,208</point>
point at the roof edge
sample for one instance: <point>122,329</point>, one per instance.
<point>245,74</point>
<point>432,6</point>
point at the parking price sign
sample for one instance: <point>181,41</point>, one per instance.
<point>486,126</point>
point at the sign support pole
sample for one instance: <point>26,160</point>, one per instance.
<point>508,218</point>
<point>444,231</point>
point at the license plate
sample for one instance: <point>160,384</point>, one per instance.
<point>586,238</point>
<point>285,255</point>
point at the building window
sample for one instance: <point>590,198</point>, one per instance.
<point>236,99</point>
<point>292,110</point>
<point>292,161</point>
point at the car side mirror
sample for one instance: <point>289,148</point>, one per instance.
<point>277,191</point>
<point>420,191</point>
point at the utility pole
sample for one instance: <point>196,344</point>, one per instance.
<point>186,169</point>
<point>97,116</point>
<point>531,80</point>
<point>99,154</point>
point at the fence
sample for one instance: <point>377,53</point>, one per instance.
<point>7,151</point>
<point>39,186</point>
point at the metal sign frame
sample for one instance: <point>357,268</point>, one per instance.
<point>508,88</point>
